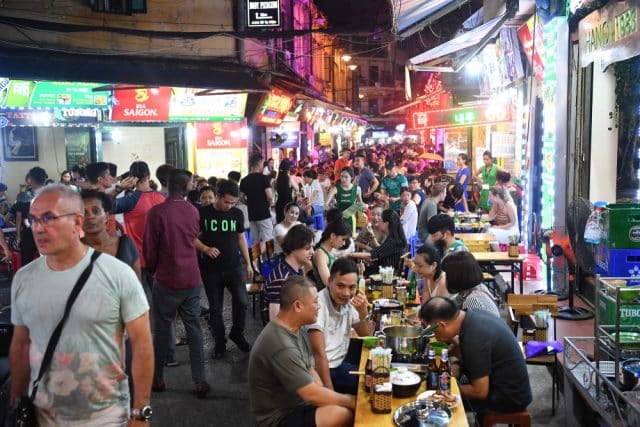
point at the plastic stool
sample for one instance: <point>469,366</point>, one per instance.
<point>318,222</point>
<point>531,266</point>
<point>522,419</point>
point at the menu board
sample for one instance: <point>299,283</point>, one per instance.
<point>77,142</point>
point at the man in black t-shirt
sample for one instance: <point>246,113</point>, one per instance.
<point>491,357</point>
<point>221,240</point>
<point>257,189</point>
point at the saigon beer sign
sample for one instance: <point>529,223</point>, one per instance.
<point>610,34</point>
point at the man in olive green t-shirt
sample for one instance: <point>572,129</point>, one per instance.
<point>284,387</point>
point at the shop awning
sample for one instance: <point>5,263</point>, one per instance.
<point>335,107</point>
<point>464,47</point>
<point>411,16</point>
<point>31,64</point>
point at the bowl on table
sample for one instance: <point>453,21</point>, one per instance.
<point>405,383</point>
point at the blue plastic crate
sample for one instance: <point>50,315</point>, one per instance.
<point>618,262</point>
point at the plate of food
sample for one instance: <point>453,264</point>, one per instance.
<point>451,400</point>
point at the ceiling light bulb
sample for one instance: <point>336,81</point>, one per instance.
<point>346,58</point>
<point>353,67</point>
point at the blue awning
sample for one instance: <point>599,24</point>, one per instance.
<point>410,16</point>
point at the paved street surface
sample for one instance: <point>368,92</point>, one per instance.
<point>228,402</point>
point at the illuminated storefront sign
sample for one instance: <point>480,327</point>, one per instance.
<point>549,123</point>
<point>141,105</point>
<point>610,34</point>
<point>273,109</point>
<point>44,94</point>
<point>533,48</point>
<point>457,117</point>
<point>187,105</point>
<point>263,14</point>
<point>216,135</point>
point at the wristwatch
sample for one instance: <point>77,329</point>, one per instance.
<point>143,413</point>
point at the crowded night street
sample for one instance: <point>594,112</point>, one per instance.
<point>299,213</point>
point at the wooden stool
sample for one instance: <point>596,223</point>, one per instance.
<point>522,419</point>
<point>255,291</point>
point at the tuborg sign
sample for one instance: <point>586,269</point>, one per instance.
<point>610,34</point>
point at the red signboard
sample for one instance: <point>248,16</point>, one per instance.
<point>274,107</point>
<point>141,105</point>
<point>221,135</point>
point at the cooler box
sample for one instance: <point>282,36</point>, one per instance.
<point>622,225</point>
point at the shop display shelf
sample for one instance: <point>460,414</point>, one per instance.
<point>617,408</point>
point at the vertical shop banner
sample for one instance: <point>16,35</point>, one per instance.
<point>77,143</point>
<point>456,142</point>
<point>141,105</point>
<point>533,48</point>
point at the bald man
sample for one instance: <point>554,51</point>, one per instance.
<point>491,356</point>
<point>284,387</point>
<point>85,383</point>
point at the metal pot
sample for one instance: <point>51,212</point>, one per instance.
<point>405,340</point>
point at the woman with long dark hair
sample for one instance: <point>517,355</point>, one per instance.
<point>389,252</point>
<point>426,264</point>
<point>345,193</point>
<point>283,189</point>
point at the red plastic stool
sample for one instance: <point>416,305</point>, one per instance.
<point>522,419</point>
<point>532,266</point>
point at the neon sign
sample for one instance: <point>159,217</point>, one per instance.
<point>274,108</point>
<point>457,117</point>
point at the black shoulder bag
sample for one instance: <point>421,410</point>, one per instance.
<point>24,412</point>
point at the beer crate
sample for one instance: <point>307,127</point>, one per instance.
<point>622,225</point>
<point>629,313</point>
<point>617,262</point>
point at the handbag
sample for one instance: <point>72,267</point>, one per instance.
<point>23,414</point>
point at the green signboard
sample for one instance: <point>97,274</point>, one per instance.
<point>30,94</point>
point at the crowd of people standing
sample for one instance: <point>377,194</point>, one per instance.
<point>323,219</point>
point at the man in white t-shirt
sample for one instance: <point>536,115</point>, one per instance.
<point>85,383</point>
<point>341,308</point>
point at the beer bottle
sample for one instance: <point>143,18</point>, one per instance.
<point>432,371</point>
<point>368,374</point>
<point>444,373</point>
<point>413,289</point>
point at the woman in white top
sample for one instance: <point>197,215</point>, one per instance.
<point>291,214</point>
<point>313,191</point>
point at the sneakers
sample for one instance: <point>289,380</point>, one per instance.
<point>158,386</point>
<point>240,342</point>
<point>202,390</point>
